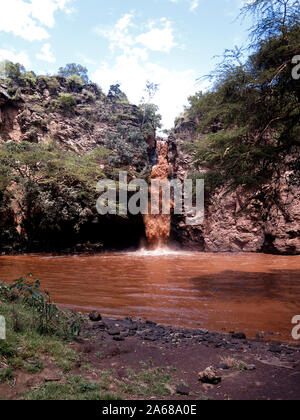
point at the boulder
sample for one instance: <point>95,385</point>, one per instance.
<point>182,390</point>
<point>210,376</point>
<point>239,336</point>
<point>95,316</point>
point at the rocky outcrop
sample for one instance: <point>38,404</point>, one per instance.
<point>267,220</point>
<point>80,119</point>
<point>34,113</point>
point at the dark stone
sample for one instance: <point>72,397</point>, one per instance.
<point>114,332</point>
<point>151,323</point>
<point>99,326</point>
<point>275,349</point>
<point>118,338</point>
<point>133,327</point>
<point>95,316</point>
<point>223,366</point>
<point>182,390</point>
<point>149,338</point>
<point>239,336</point>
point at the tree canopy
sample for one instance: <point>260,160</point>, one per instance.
<point>74,69</point>
<point>250,119</point>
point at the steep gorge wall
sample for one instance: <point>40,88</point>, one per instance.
<point>34,113</point>
<point>240,221</point>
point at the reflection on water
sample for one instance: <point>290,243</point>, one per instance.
<point>248,292</point>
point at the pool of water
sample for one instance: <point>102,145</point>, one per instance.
<point>240,292</point>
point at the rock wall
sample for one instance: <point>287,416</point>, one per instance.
<point>33,114</point>
<point>240,221</point>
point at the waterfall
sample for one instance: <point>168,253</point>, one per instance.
<point>158,226</point>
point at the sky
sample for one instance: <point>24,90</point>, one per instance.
<point>172,43</point>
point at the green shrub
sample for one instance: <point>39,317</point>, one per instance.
<point>67,102</point>
<point>29,78</point>
<point>47,320</point>
<point>75,83</point>
<point>50,82</point>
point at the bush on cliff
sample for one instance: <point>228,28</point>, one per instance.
<point>67,102</point>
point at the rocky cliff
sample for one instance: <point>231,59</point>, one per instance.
<point>264,220</point>
<point>79,117</point>
<point>47,199</point>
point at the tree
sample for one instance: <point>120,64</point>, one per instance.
<point>151,90</point>
<point>74,69</point>
<point>271,17</point>
<point>250,119</point>
<point>11,70</point>
<point>116,93</point>
<point>151,120</point>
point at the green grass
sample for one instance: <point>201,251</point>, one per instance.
<point>6,375</point>
<point>34,366</point>
<point>156,382</point>
<point>74,388</point>
<point>26,350</point>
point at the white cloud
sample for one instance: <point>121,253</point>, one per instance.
<point>194,5</point>
<point>118,35</point>
<point>12,55</point>
<point>174,85</point>
<point>158,39</point>
<point>46,54</point>
<point>159,35</point>
<point>30,19</point>
<point>132,66</point>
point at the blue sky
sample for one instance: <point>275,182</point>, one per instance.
<point>169,42</point>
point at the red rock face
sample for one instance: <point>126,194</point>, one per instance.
<point>241,221</point>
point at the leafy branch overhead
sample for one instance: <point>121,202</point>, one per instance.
<point>250,119</point>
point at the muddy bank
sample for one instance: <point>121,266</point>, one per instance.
<point>249,369</point>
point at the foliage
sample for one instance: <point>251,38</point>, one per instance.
<point>67,102</point>
<point>50,82</point>
<point>129,147</point>
<point>47,319</point>
<point>26,347</point>
<point>117,94</point>
<point>75,83</point>
<point>150,120</point>
<point>15,73</point>
<point>11,70</point>
<point>53,188</point>
<point>250,119</point>
<point>74,69</point>
<point>271,17</point>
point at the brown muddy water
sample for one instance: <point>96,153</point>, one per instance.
<point>243,292</point>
